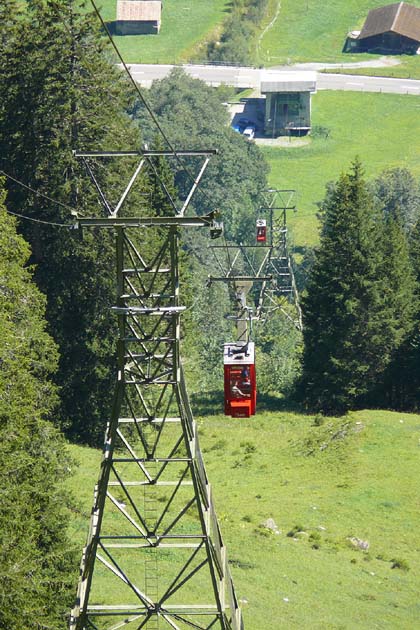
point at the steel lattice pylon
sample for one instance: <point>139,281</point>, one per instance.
<point>154,557</point>
<point>279,263</point>
<point>265,270</point>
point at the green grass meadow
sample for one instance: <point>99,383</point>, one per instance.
<point>302,32</point>
<point>185,25</point>
<point>314,31</point>
<point>382,129</point>
<point>322,483</point>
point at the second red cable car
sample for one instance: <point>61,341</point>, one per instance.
<point>261,230</point>
<point>240,379</point>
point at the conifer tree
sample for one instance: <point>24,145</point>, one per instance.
<point>398,307</point>
<point>36,564</point>
<point>403,377</point>
<point>412,371</point>
<point>60,92</point>
<point>350,328</point>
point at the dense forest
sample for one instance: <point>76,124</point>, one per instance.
<point>61,91</point>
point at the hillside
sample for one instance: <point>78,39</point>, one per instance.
<point>345,124</point>
<point>354,477</point>
<point>290,33</point>
<point>310,31</point>
<point>319,514</point>
<point>197,21</point>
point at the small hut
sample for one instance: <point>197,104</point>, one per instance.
<point>288,101</point>
<point>138,17</point>
<point>392,29</point>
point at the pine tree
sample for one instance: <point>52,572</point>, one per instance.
<point>350,330</point>
<point>412,372</point>
<point>398,308</point>
<point>59,93</point>
<point>36,564</point>
<point>404,372</point>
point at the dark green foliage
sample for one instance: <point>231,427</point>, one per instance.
<point>403,376</point>
<point>204,325</point>
<point>357,310</point>
<point>193,118</point>
<point>399,291</point>
<point>239,33</point>
<point>399,194</point>
<point>278,345</point>
<point>58,93</point>
<point>36,565</point>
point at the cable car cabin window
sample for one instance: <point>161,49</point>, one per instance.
<point>240,382</point>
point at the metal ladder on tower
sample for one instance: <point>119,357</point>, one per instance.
<point>151,565</point>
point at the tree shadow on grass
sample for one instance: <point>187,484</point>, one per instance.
<point>211,404</point>
<point>207,403</point>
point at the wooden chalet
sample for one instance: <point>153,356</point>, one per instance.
<point>392,29</point>
<point>137,17</point>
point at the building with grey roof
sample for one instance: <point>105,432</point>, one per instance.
<point>287,101</point>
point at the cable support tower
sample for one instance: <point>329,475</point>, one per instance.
<point>262,269</point>
<point>154,557</point>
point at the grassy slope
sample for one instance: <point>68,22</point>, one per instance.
<point>381,128</point>
<point>363,483</point>
<point>313,31</point>
<point>185,24</point>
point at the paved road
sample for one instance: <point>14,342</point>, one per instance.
<point>144,74</point>
<point>358,83</point>
<point>213,75</point>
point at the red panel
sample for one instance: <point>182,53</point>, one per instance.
<point>240,390</point>
<point>253,389</point>
<point>261,234</point>
<point>240,409</point>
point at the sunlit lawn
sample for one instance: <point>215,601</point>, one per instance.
<point>382,129</point>
<point>185,24</point>
<point>352,477</point>
<point>314,31</point>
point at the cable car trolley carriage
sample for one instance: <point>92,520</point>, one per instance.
<point>240,379</point>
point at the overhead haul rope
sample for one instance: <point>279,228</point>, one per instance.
<point>38,194</point>
<point>146,104</point>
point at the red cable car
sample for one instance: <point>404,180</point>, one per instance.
<point>240,379</point>
<point>261,230</point>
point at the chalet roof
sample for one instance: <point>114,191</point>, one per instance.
<point>278,81</point>
<point>139,10</point>
<point>400,18</point>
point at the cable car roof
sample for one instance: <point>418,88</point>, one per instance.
<point>238,353</point>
